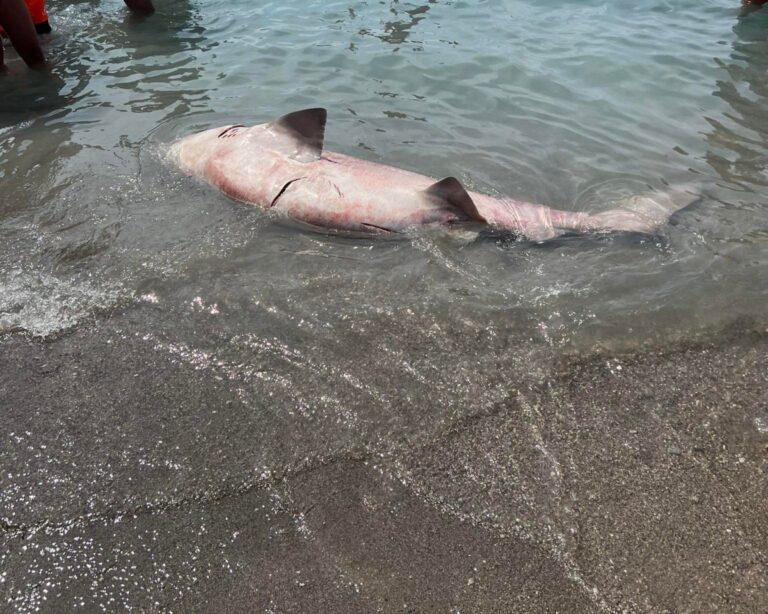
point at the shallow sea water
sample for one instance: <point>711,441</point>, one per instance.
<point>574,105</point>
<point>230,347</point>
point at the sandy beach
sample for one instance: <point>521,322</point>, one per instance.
<point>615,483</point>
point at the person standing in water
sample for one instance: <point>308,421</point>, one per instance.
<point>23,20</point>
<point>17,23</point>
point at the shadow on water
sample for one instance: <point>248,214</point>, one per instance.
<point>160,62</point>
<point>27,94</point>
<point>95,51</point>
<point>738,145</point>
<point>398,30</point>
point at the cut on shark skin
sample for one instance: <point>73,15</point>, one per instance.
<point>281,165</point>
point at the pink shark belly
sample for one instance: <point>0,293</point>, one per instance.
<point>346,193</point>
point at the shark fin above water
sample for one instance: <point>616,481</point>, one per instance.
<point>306,127</point>
<point>452,192</point>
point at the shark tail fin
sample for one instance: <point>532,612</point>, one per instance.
<point>645,213</point>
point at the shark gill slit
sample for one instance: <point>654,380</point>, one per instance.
<point>282,191</point>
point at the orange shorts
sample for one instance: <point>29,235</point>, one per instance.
<point>36,10</point>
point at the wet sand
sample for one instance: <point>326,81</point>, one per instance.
<point>627,483</point>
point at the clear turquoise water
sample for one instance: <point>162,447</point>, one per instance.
<point>572,104</point>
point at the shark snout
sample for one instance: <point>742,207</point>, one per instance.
<point>189,152</point>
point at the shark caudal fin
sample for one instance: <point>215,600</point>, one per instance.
<point>645,213</point>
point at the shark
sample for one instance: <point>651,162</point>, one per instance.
<point>281,165</point>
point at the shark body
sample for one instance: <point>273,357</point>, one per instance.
<point>282,165</point>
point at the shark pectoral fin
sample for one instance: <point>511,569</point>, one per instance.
<point>450,191</point>
<point>306,127</point>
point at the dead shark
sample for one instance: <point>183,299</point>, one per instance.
<point>281,165</point>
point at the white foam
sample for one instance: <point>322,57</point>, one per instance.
<point>43,304</point>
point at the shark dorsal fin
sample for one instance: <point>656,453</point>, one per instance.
<point>306,126</point>
<point>452,192</point>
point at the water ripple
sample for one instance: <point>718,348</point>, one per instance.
<point>575,106</point>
